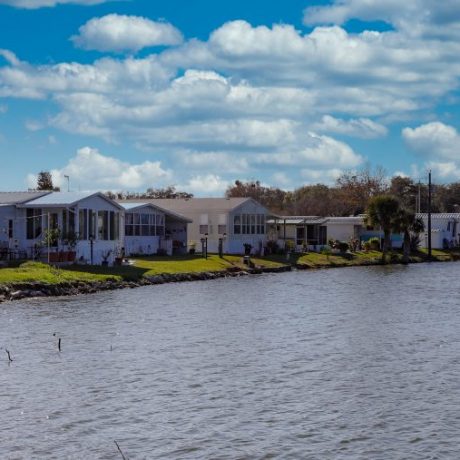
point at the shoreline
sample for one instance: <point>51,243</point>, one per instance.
<point>38,289</point>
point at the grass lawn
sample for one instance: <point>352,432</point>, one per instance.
<point>145,266</point>
<point>155,265</point>
<point>43,273</point>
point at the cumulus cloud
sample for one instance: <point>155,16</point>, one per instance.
<point>120,33</point>
<point>269,98</point>
<point>439,144</point>
<point>91,170</point>
<point>206,185</point>
<point>434,140</point>
<point>414,17</point>
<point>35,4</point>
<point>362,127</point>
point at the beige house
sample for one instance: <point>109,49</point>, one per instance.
<point>235,221</point>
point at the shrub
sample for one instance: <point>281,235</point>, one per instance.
<point>342,246</point>
<point>374,243</point>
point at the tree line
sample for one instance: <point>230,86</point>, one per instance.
<point>350,195</point>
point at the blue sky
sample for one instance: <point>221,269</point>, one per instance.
<point>125,95</point>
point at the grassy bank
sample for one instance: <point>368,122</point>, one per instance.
<point>151,266</point>
<point>141,267</point>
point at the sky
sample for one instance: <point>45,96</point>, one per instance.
<point>131,94</point>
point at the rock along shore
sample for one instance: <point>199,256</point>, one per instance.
<point>17,291</point>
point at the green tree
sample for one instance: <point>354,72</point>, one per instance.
<point>44,181</point>
<point>409,225</point>
<point>383,212</point>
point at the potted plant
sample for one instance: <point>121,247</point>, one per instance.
<point>71,240</point>
<point>105,257</point>
<point>247,249</point>
<point>192,247</point>
<point>51,240</point>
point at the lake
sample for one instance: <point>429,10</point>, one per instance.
<point>355,363</point>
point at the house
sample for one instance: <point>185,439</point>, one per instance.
<point>314,232</point>
<point>302,231</point>
<point>231,222</point>
<point>82,225</point>
<point>11,221</point>
<point>445,230</point>
<point>149,228</point>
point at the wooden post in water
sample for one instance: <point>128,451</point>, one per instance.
<point>429,216</point>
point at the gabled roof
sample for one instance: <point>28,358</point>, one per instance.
<point>297,220</point>
<point>9,198</point>
<point>211,204</point>
<point>65,199</point>
<point>138,206</point>
<point>183,206</point>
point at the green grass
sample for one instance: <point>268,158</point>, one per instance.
<point>43,273</point>
<point>151,266</point>
<point>145,266</point>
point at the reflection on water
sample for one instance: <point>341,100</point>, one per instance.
<point>358,363</point>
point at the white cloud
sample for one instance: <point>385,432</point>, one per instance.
<point>431,18</point>
<point>213,161</point>
<point>34,4</point>
<point>120,33</point>
<point>439,144</point>
<point>251,94</point>
<point>434,140</point>
<point>362,127</point>
<point>34,125</point>
<point>206,185</point>
<point>91,170</point>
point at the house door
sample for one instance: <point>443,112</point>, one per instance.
<point>300,236</point>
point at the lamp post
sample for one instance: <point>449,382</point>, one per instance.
<point>221,245</point>
<point>206,245</point>
<point>91,245</point>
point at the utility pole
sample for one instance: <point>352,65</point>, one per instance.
<point>429,215</point>
<point>419,198</point>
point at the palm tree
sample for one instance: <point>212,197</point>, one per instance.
<point>382,212</point>
<point>408,224</point>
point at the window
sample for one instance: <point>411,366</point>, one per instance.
<point>34,221</point>
<point>114,219</point>
<point>103,225</point>
<point>249,224</point>
<point>83,224</point>
<point>10,228</point>
<point>160,225</point>
<point>92,223</point>
<point>253,224</point>
<point>221,229</point>
<point>68,221</point>
<point>204,229</point>
<point>237,225</point>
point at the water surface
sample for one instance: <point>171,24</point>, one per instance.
<point>360,363</point>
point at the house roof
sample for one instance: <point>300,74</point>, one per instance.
<point>182,205</point>
<point>65,199</point>
<point>297,220</point>
<point>346,220</point>
<point>138,206</point>
<point>9,198</point>
<point>441,215</point>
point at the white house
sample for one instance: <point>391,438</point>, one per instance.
<point>11,219</point>
<point>445,230</point>
<point>314,232</point>
<point>235,221</point>
<point>89,225</point>
<point>149,228</point>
